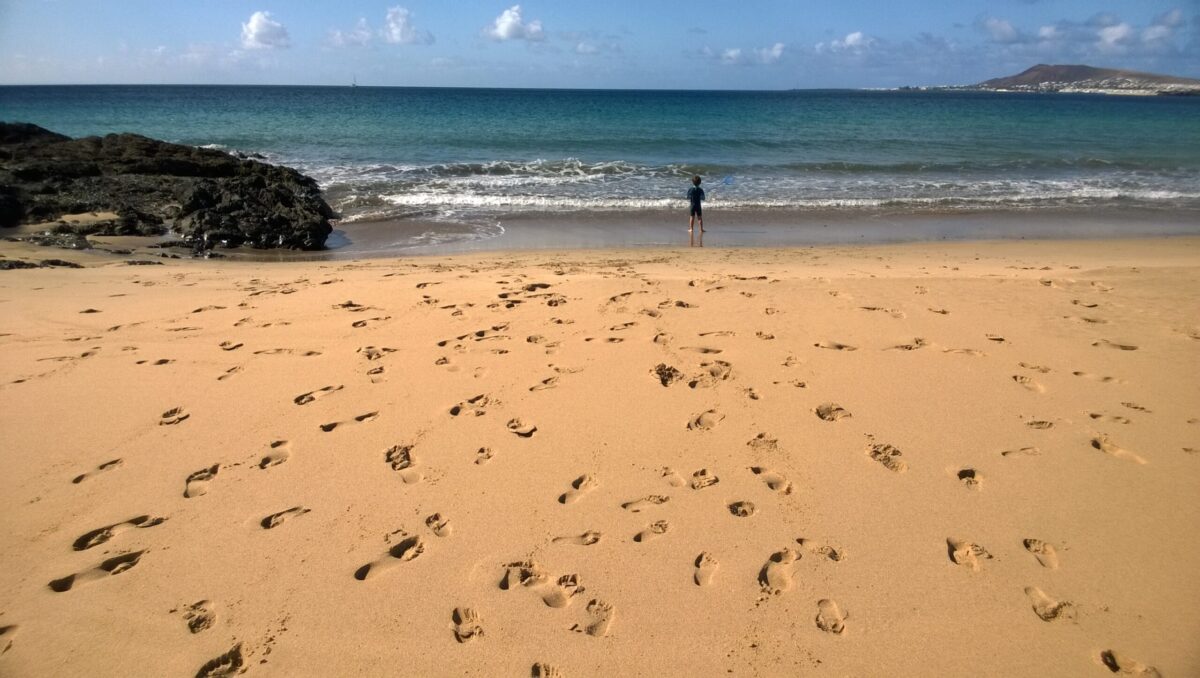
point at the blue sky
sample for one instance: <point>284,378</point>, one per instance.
<point>704,44</point>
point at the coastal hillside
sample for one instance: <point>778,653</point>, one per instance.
<point>1079,78</point>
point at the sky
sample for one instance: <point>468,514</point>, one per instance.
<point>701,44</point>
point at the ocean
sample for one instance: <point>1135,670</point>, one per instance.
<point>445,165</point>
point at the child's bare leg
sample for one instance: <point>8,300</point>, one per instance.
<point>691,237</point>
<point>701,224</point>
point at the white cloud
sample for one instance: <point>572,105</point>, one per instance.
<point>1113,38</point>
<point>359,36</point>
<point>263,32</point>
<point>510,26</point>
<point>853,42</point>
<point>586,48</point>
<point>1048,33</point>
<point>399,30</point>
<point>1000,30</point>
<point>732,55</point>
<point>1163,28</point>
<point>1171,19</point>
<point>770,55</point>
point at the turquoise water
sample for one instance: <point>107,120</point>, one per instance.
<point>477,155</point>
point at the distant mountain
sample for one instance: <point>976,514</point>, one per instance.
<point>1089,79</point>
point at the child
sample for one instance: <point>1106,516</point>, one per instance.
<point>695,196</point>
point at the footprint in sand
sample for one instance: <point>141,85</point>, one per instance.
<point>915,344</point>
<point>306,398</point>
<point>706,568</point>
<point>1096,377</point>
<point>966,553</point>
<point>112,566</point>
<point>586,539</point>
<point>700,349</point>
<point>1135,407</point>
<point>402,460</point>
<point>666,374</point>
<point>468,625</point>
<point>101,535</point>
<point>969,477</point>
<point>405,550</point>
<point>520,428</point>
<point>775,577</point>
<point>369,416</point>
<point>473,406</point>
<point>483,455</point>
<point>579,487</point>
<point>965,351</point>
<point>230,372</point>
<point>367,321</point>
<point>830,617</point>
<point>776,481</point>
<point>763,442</point>
<point>703,478</point>
<point>173,416</point>
<point>288,351</point>
<point>714,372</point>
<point>1107,446</point>
<point>229,664</point>
<point>439,525</point>
<point>280,451</point>
<point>639,505</point>
<point>276,519</point>
<point>1022,452</point>
<point>547,383</point>
<point>6,637</point>
<point>1119,663</point>
<point>602,615</point>
<point>889,456</point>
<point>824,550</point>
<point>106,466</point>
<point>996,338</point>
<point>1045,553</point>
<point>1029,383</point>
<point>705,421</point>
<point>742,509</point>
<point>1105,343</point>
<point>1109,418</point>
<point>653,531</point>
<point>1040,424</point>
<point>544,670</point>
<point>200,616</point>
<point>196,484</point>
<point>230,346</point>
<point>673,479</point>
<point>832,412</point>
<point>1047,608</point>
<point>528,574</point>
<point>835,346</point>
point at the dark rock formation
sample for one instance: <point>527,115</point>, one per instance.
<point>208,197</point>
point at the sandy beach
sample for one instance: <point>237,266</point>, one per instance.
<point>972,458</point>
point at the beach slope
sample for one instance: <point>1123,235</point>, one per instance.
<point>969,458</point>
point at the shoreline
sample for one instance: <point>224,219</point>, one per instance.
<point>663,230</point>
